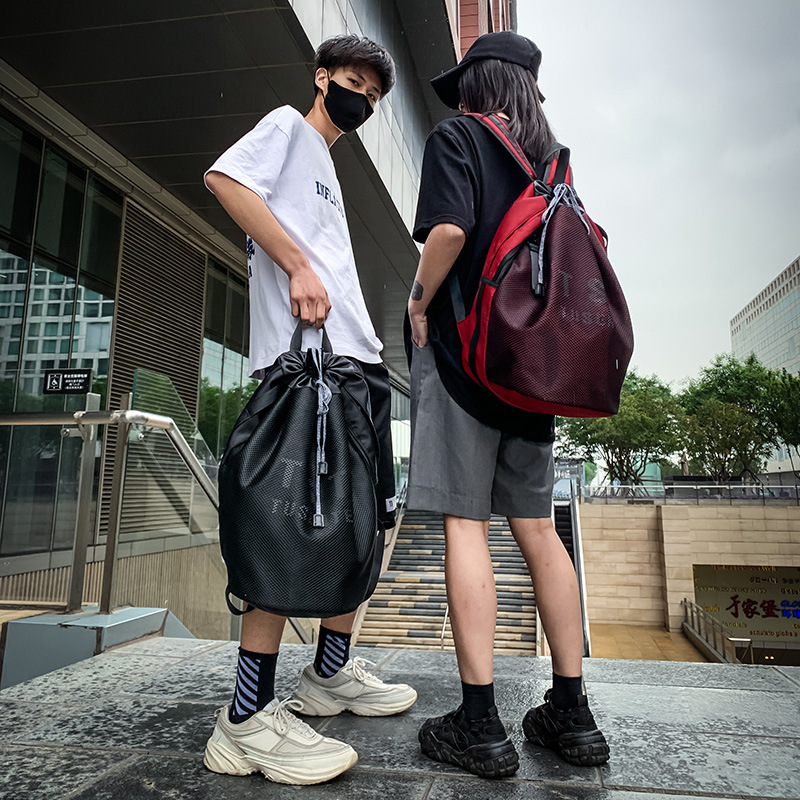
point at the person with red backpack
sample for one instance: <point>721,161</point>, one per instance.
<point>476,451</point>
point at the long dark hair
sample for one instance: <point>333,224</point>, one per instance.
<point>489,85</point>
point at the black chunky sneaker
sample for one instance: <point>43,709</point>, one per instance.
<point>480,746</point>
<point>572,733</point>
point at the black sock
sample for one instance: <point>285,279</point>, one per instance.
<point>255,684</point>
<point>566,691</point>
<point>478,699</point>
<point>333,652</point>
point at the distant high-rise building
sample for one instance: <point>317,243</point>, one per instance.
<point>769,326</point>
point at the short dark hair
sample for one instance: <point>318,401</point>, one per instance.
<point>490,85</point>
<point>348,50</point>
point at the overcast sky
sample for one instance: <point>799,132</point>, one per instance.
<point>684,124</point>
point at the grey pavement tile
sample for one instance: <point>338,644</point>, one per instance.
<point>210,676</point>
<point>133,724</point>
<point>711,711</point>
<point>136,724</point>
<point>442,662</point>
<point>87,681</point>
<point>440,693</point>
<point>34,773</point>
<point>650,757</point>
<point>19,720</point>
<point>513,789</point>
<point>390,743</point>
<point>793,674</point>
<point>157,778</point>
<point>165,646</point>
<point>676,673</point>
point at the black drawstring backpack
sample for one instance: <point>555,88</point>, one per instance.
<point>298,520</point>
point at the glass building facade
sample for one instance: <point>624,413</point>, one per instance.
<point>60,230</point>
<point>769,326</point>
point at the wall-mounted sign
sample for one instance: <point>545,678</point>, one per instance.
<point>67,381</point>
<point>752,602</point>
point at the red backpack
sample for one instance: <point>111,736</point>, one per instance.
<point>549,328</point>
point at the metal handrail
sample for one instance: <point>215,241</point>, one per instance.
<point>444,625</point>
<point>86,422</point>
<point>696,493</point>
<point>131,418</point>
<point>580,572</point>
<point>710,631</point>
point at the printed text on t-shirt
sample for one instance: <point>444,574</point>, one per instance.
<point>324,191</point>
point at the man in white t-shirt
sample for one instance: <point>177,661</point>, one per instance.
<point>279,184</point>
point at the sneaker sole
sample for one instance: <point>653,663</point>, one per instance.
<point>586,749</point>
<point>486,761</point>
<point>225,761</point>
<point>316,706</point>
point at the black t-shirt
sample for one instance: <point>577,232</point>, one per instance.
<point>469,180</point>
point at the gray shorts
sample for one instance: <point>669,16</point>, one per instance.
<point>463,468</point>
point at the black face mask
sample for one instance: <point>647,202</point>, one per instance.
<point>346,108</point>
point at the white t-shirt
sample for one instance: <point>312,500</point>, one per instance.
<point>287,164</point>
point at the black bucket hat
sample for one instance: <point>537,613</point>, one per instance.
<point>504,46</point>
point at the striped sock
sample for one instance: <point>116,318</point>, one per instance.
<point>333,652</point>
<point>255,684</point>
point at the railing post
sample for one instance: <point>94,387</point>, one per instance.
<point>83,535</point>
<point>115,510</point>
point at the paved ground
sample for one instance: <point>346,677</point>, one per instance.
<point>641,643</point>
<point>132,724</point>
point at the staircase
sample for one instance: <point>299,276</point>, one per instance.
<point>408,607</point>
<point>562,517</point>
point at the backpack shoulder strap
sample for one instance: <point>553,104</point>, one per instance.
<point>499,127</point>
<point>555,167</point>
<point>554,170</point>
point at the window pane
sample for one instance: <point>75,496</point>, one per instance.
<point>60,207</point>
<point>46,320</point>
<point>91,340</point>
<point>216,291</point>
<point>33,468</point>
<point>231,397</point>
<point>20,153</point>
<point>210,383</point>
<point>13,274</point>
<point>101,235</point>
<point>237,310</point>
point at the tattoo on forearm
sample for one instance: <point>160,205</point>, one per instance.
<point>417,291</point>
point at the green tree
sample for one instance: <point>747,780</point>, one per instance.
<point>647,428</point>
<point>731,420</point>
<point>785,411</point>
<point>725,440</point>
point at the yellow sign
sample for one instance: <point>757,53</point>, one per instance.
<point>759,603</point>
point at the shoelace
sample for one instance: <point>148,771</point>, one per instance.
<point>285,720</point>
<point>563,194</point>
<point>324,395</point>
<point>359,668</point>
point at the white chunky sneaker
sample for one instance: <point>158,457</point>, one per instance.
<point>354,689</point>
<point>277,744</point>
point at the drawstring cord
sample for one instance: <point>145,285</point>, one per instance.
<point>324,395</point>
<point>563,194</point>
